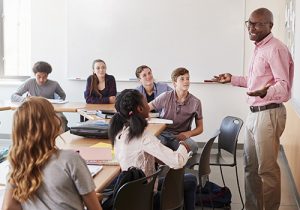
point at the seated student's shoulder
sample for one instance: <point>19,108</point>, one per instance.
<point>109,76</point>
<point>68,155</point>
<point>149,138</point>
<point>194,99</point>
<point>163,86</point>
<point>50,81</point>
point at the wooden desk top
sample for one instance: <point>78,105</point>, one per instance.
<point>108,173</point>
<point>66,107</point>
<point>5,105</point>
<point>99,107</point>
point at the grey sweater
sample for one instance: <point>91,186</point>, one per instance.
<point>49,90</point>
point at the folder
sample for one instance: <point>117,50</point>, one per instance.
<point>94,155</point>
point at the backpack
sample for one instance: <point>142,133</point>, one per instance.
<point>133,173</point>
<point>220,196</point>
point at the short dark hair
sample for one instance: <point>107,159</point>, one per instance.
<point>178,72</point>
<point>42,66</point>
<point>140,69</point>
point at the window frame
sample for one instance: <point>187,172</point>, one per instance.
<point>2,57</point>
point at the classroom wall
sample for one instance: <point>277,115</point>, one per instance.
<point>291,144</point>
<point>49,43</point>
<point>291,135</point>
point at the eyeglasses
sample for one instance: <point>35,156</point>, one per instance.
<point>256,25</point>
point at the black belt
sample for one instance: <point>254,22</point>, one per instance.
<point>265,107</point>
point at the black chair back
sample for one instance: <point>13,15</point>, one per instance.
<point>172,190</point>
<point>229,132</point>
<point>136,195</point>
<point>203,165</point>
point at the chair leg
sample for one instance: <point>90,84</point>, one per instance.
<point>222,175</point>
<point>210,199</point>
<point>238,184</point>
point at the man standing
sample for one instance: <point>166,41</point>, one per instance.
<point>269,83</point>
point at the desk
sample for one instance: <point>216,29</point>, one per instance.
<point>108,173</point>
<point>66,107</point>
<point>92,107</point>
<point>4,105</point>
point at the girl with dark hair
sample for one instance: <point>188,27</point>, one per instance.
<point>135,146</point>
<point>100,87</point>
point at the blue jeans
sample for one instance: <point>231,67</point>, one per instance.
<point>190,187</point>
<point>168,139</point>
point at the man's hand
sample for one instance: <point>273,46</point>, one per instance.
<point>261,93</point>
<point>222,78</point>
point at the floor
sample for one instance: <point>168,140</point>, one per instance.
<point>288,200</point>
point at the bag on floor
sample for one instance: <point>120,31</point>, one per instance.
<point>213,194</point>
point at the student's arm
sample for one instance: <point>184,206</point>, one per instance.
<point>18,95</point>
<point>112,89</point>
<point>158,103</point>
<point>196,131</point>
<point>60,92</point>
<point>151,106</point>
<point>9,203</point>
<point>174,159</point>
<point>91,201</point>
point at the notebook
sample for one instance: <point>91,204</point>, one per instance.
<point>94,169</point>
<point>94,155</point>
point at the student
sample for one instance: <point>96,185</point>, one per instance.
<point>269,84</point>
<point>182,107</point>
<point>148,87</point>
<point>100,87</point>
<point>134,146</point>
<point>41,86</point>
<point>41,175</point>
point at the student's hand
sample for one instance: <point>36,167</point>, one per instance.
<point>112,99</point>
<point>222,78</point>
<point>261,93</point>
<point>182,136</point>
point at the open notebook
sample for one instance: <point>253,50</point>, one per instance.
<point>94,155</point>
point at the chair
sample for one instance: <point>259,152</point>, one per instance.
<point>203,163</point>
<point>227,141</point>
<point>137,194</point>
<point>172,195</point>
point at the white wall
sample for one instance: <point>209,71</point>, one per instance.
<point>49,44</point>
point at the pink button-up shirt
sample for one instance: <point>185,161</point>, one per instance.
<point>272,64</point>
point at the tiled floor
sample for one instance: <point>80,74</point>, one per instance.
<point>288,200</point>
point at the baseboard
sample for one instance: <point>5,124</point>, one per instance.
<point>291,178</point>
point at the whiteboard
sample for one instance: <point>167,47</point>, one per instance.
<point>205,36</point>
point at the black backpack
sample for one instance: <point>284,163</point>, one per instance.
<point>220,196</point>
<point>133,173</point>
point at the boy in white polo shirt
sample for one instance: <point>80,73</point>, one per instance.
<point>182,107</point>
